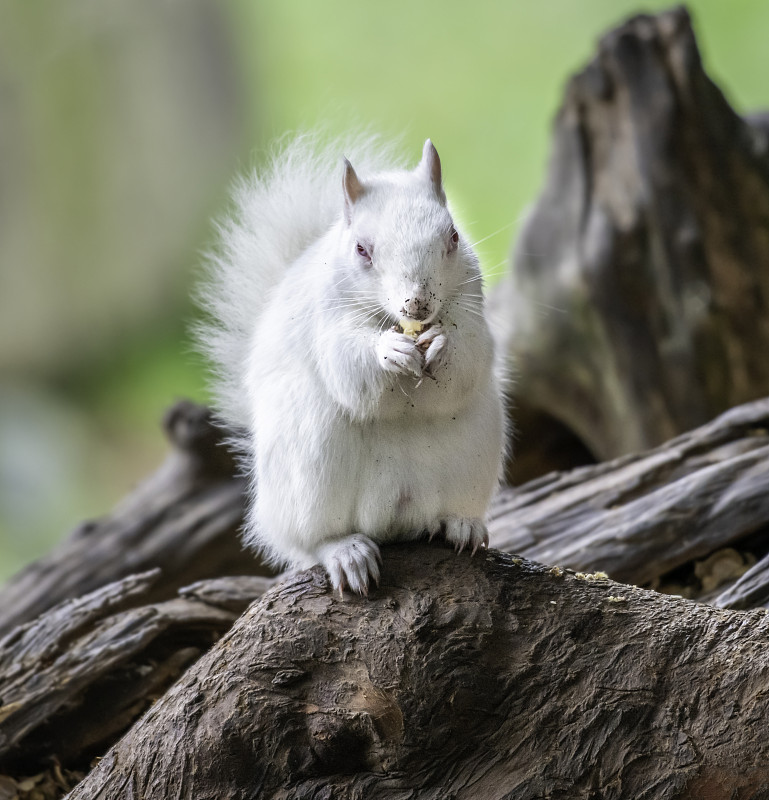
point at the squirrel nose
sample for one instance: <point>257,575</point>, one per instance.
<point>416,307</point>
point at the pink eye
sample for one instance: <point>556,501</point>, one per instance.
<point>453,239</point>
<point>363,252</point>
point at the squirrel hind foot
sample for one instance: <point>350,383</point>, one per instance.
<point>467,533</point>
<point>351,562</point>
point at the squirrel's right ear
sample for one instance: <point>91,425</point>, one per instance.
<point>353,189</point>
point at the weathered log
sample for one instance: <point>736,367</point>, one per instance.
<point>751,590</point>
<point>75,679</point>
<point>466,678</point>
<point>183,519</point>
<point>642,516</point>
<point>638,304</point>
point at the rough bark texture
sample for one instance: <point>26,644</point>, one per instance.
<point>638,304</point>
<point>79,675</point>
<point>641,516</point>
<point>461,678</point>
<point>183,519</point>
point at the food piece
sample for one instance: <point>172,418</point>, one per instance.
<point>411,328</point>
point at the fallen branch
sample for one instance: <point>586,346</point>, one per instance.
<point>641,516</point>
<point>74,680</point>
<point>183,519</point>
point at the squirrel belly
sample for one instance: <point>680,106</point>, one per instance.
<point>359,433</point>
<point>428,453</point>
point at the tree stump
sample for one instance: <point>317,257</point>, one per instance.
<point>637,306</point>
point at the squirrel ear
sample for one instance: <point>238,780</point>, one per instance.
<point>430,167</point>
<point>353,189</point>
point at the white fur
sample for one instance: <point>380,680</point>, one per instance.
<point>357,434</point>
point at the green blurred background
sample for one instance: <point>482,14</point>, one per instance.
<point>121,126</point>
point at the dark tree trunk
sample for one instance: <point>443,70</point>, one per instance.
<point>639,303</point>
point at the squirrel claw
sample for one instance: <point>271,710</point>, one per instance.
<point>483,544</point>
<point>463,532</point>
<point>351,561</point>
<point>435,346</point>
<point>433,529</point>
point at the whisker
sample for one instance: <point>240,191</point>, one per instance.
<point>366,299</point>
<point>461,302</point>
<point>467,303</point>
<point>470,301</point>
<point>359,297</point>
<point>364,313</point>
<point>475,311</point>
<point>499,267</point>
<point>496,271</point>
<point>347,305</point>
<point>551,308</point>
<point>356,300</point>
<point>496,233</point>
<point>353,315</point>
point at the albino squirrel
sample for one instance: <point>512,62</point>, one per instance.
<point>350,339</point>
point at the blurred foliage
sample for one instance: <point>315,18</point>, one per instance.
<point>123,124</point>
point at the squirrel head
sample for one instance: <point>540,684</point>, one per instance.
<point>402,248</point>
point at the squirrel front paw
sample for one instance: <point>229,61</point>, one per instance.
<point>351,561</point>
<point>434,344</point>
<point>400,353</point>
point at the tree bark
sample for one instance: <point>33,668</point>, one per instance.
<point>638,305</point>
<point>74,680</point>
<point>642,516</point>
<point>461,677</point>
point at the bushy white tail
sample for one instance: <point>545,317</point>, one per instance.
<point>277,212</point>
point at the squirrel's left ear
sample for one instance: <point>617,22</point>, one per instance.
<point>430,167</point>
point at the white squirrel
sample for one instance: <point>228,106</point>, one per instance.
<point>356,433</point>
